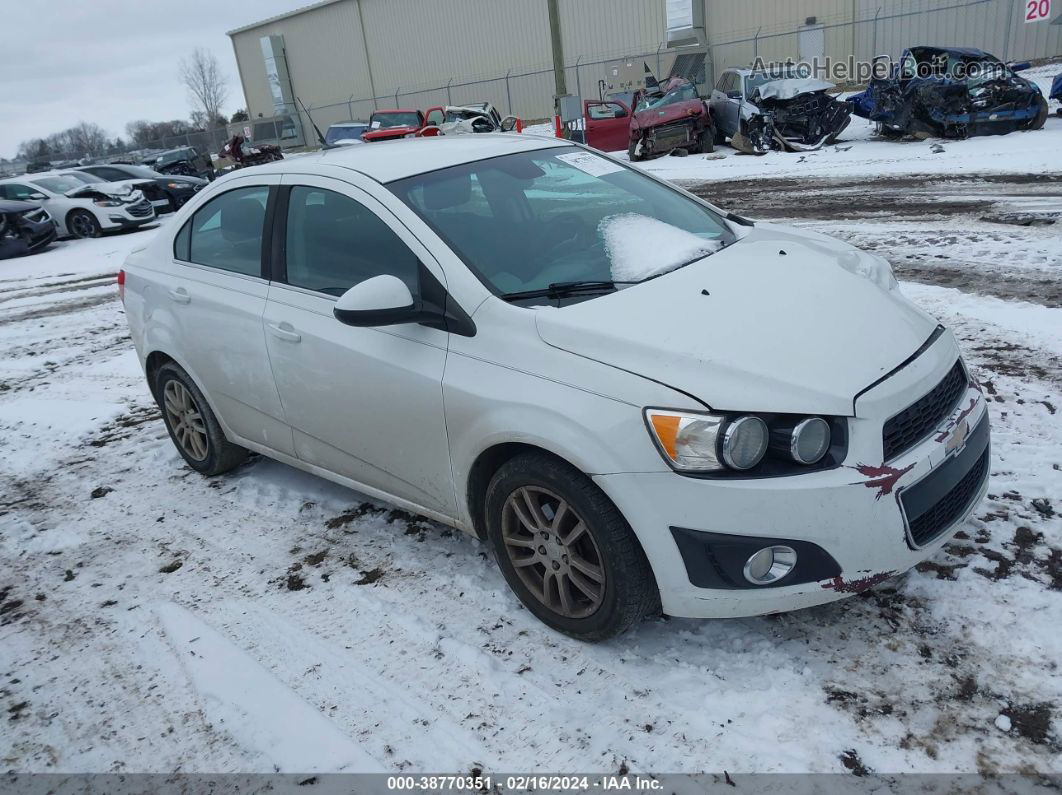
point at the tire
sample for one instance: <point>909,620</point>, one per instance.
<point>611,587</point>
<point>1041,117</point>
<point>632,151</point>
<point>201,442</point>
<point>82,223</point>
<point>719,138</point>
<point>706,142</point>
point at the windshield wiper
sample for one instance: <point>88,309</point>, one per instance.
<point>564,289</point>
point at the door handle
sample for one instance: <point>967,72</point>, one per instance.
<point>180,295</point>
<point>284,331</point>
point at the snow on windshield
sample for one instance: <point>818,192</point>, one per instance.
<point>639,247</point>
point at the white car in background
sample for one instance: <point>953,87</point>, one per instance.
<point>81,209</point>
<point>641,402</point>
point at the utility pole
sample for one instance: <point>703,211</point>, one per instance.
<point>560,86</point>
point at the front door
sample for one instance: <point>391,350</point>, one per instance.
<point>607,125</point>
<point>365,403</point>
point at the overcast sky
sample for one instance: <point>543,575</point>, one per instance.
<point>110,61</point>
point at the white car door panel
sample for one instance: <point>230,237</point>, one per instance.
<point>365,403</point>
<point>230,361</point>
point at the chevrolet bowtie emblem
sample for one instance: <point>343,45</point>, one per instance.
<point>958,438</point>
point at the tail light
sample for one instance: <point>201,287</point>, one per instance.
<point>121,285</point>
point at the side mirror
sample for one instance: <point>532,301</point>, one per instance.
<point>379,301</point>
<point>508,124</point>
<point>733,94</point>
<point>36,197</point>
<point>1019,66</point>
<point>386,301</point>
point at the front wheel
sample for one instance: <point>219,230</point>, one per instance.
<point>82,223</point>
<point>706,141</point>
<point>632,151</point>
<point>565,549</point>
<point>1041,116</point>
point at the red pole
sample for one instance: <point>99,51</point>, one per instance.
<point>557,126</point>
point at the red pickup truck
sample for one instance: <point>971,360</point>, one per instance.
<point>386,125</point>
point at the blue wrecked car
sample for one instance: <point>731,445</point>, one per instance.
<point>1056,91</point>
<point>950,92</point>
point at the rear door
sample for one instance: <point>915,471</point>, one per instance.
<point>216,294</point>
<point>607,125</point>
<point>365,403</point>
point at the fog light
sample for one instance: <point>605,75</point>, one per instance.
<point>769,565</point>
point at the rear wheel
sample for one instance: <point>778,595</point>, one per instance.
<point>82,223</point>
<point>565,549</point>
<point>192,426</point>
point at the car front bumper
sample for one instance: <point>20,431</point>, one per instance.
<point>854,514</point>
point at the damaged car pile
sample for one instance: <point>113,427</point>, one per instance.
<point>951,93</point>
<point>947,92</point>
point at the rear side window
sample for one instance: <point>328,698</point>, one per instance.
<point>226,232</point>
<point>334,242</point>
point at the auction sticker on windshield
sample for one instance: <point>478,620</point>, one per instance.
<point>590,163</point>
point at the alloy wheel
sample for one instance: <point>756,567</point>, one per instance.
<point>186,420</point>
<point>553,552</point>
<point>82,226</point>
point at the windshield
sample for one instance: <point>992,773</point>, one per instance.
<point>402,119</point>
<point>524,221</point>
<point>683,93</point>
<point>59,184</point>
<point>346,132</point>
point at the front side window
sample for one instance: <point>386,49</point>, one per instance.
<point>334,242</point>
<point>226,232</point>
<point>524,221</point>
<point>606,110</point>
<point>58,184</point>
<point>17,192</point>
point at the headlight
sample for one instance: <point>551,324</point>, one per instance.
<point>769,444</point>
<point>805,441</point>
<point>744,442</point>
<point>176,185</point>
<point>107,203</point>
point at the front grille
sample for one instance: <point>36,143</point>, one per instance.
<point>915,422</point>
<point>951,506</point>
<point>140,209</point>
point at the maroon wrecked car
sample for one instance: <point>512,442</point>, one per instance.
<point>666,116</point>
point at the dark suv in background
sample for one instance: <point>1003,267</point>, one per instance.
<point>168,193</point>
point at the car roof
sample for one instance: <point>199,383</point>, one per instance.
<point>968,51</point>
<point>348,124</point>
<point>385,161</point>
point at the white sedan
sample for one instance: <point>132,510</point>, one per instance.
<point>80,209</point>
<point>640,402</point>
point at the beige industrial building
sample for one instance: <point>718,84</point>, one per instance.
<point>344,58</point>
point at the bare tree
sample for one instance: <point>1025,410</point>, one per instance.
<point>206,85</point>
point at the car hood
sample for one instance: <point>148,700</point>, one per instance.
<point>388,132</point>
<point>123,190</point>
<point>780,321</point>
<point>182,179</point>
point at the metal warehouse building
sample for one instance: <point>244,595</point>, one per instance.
<point>344,58</point>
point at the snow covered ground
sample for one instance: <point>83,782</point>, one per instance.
<point>153,620</point>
